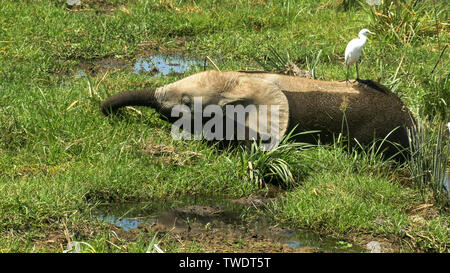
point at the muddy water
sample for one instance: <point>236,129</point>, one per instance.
<point>159,65</point>
<point>224,220</point>
<point>155,65</point>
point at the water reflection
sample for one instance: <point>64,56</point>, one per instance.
<point>164,64</point>
<point>80,73</point>
<point>200,216</point>
<point>125,223</point>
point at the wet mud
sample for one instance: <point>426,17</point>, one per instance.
<point>217,226</point>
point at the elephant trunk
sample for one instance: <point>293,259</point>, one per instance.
<point>130,98</point>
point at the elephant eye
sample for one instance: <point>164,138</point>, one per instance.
<point>186,100</point>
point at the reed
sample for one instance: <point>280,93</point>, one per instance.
<point>428,162</point>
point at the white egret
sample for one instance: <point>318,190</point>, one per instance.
<point>354,49</point>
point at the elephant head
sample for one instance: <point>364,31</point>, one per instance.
<point>361,111</point>
<point>225,90</point>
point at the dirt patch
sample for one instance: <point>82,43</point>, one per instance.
<point>112,63</point>
<point>217,235</point>
<point>387,245</point>
<point>423,212</point>
<point>232,240</point>
<point>95,66</point>
<point>202,238</point>
<point>168,154</point>
<point>53,240</point>
<point>59,238</point>
<point>198,238</point>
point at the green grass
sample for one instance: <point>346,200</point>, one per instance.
<point>59,156</point>
<point>341,200</point>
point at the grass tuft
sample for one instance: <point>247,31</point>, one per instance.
<point>273,166</point>
<point>430,151</point>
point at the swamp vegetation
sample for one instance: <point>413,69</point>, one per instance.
<point>62,161</point>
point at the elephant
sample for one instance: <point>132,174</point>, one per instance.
<point>361,111</point>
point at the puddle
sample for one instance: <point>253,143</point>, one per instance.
<point>159,65</point>
<point>217,223</point>
<point>155,65</point>
<point>79,74</point>
<point>125,223</point>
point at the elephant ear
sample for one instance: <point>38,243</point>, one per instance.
<point>265,103</point>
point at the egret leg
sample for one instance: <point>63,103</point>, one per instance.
<point>357,71</point>
<point>346,78</point>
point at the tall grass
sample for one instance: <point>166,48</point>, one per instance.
<point>435,99</point>
<point>367,158</point>
<point>277,62</point>
<point>405,21</point>
<point>428,162</point>
<point>347,5</point>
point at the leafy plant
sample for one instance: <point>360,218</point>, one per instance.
<point>275,165</point>
<point>274,61</point>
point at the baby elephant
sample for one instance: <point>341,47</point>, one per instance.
<point>267,106</point>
